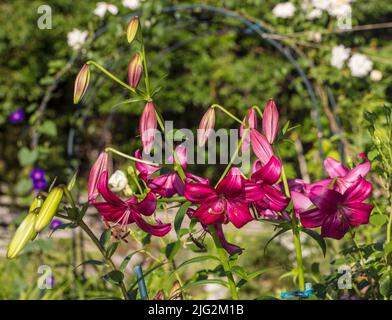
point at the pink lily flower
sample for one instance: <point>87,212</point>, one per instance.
<point>346,177</point>
<point>229,247</point>
<point>252,124</point>
<point>265,177</point>
<point>168,184</point>
<point>261,147</point>
<point>229,201</point>
<point>129,211</point>
<point>270,121</point>
<point>99,166</point>
<point>148,126</point>
<point>337,212</point>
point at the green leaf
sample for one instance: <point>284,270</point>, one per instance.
<point>49,128</point>
<point>126,260</point>
<point>91,262</point>
<point>115,275</point>
<point>378,220</point>
<point>180,216</point>
<point>171,249</point>
<point>277,234</point>
<point>386,284</point>
<point>239,271</point>
<point>319,239</point>
<point>72,182</point>
<point>197,259</point>
<point>27,156</point>
<point>112,249</point>
<point>191,285</point>
<point>388,248</point>
<point>105,237</point>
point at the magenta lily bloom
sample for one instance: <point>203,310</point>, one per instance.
<point>265,177</point>
<point>270,121</point>
<point>229,201</point>
<point>261,147</point>
<point>229,247</point>
<point>99,166</point>
<point>148,126</point>
<point>337,212</point>
<point>129,211</point>
<point>346,177</point>
<point>166,185</point>
<point>252,124</point>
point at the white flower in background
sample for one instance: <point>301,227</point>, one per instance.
<point>118,181</point>
<point>339,8</point>
<point>314,14</point>
<point>339,55</point>
<point>103,7</point>
<point>215,291</point>
<point>283,10</point>
<point>131,4</point>
<point>321,4</point>
<point>76,38</point>
<point>360,65</point>
<point>376,75</point>
<point>315,37</point>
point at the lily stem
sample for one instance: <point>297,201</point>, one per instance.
<point>227,112</point>
<point>296,235</point>
<point>130,157</point>
<point>223,258</point>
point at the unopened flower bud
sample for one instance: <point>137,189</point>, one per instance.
<point>133,26</point>
<point>206,126</point>
<point>81,83</point>
<point>148,126</point>
<point>25,232</point>
<point>118,181</point>
<point>135,70</point>
<point>49,209</point>
<point>270,121</point>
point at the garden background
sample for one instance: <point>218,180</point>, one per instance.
<point>234,53</point>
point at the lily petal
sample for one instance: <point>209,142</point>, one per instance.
<point>148,205</point>
<point>325,199</point>
<point>359,191</point>
<point>158,230</point>
<point>312,218</point>
<point>334,168</point>
<point>238,213</point>
<point>334,227</point>
<point>231,185</point>
<point>270,173</point>
<point>199,193</point>
<point>261,147</point>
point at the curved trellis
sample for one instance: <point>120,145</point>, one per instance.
<point>262,32</point>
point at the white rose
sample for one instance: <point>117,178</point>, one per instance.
<point>76,38</point>
<point>103,7</point>
<point>321,4</point>
<point>314,14</point>
<point>118,181</point>
<point>131,4</point>
<point>376,75</point>
<point>339,8</point>
<point>283,10</point>
<point>360,65</point>
<point>339,55</point>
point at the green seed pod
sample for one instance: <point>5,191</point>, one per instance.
<point>25,231</point>
<point>49,209</point>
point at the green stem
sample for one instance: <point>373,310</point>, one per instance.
<point>296,235</point>
<point>172,199</point>
<point>92,236</point>
<point>130,157</point>
<point>237,150</point>
<point>145,67</point>
<point>223,258</point>
<point>113,77</point>
<point>227,112</point>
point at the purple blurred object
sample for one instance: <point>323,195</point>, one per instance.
<point>37,174</point>
<point>40,184</point>
<point>17,116</point>
<point>55,224</point>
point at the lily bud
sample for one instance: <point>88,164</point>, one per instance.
<point>81,83</point>
<point>252,124</point>
<point>270,121</point>
<point>25,232</point>
<point>206,126</point>
<point>135,70</point>
<point>133,26</point>
<point>148,126</point>
<point>49,209</point>
<point>99,166</point>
